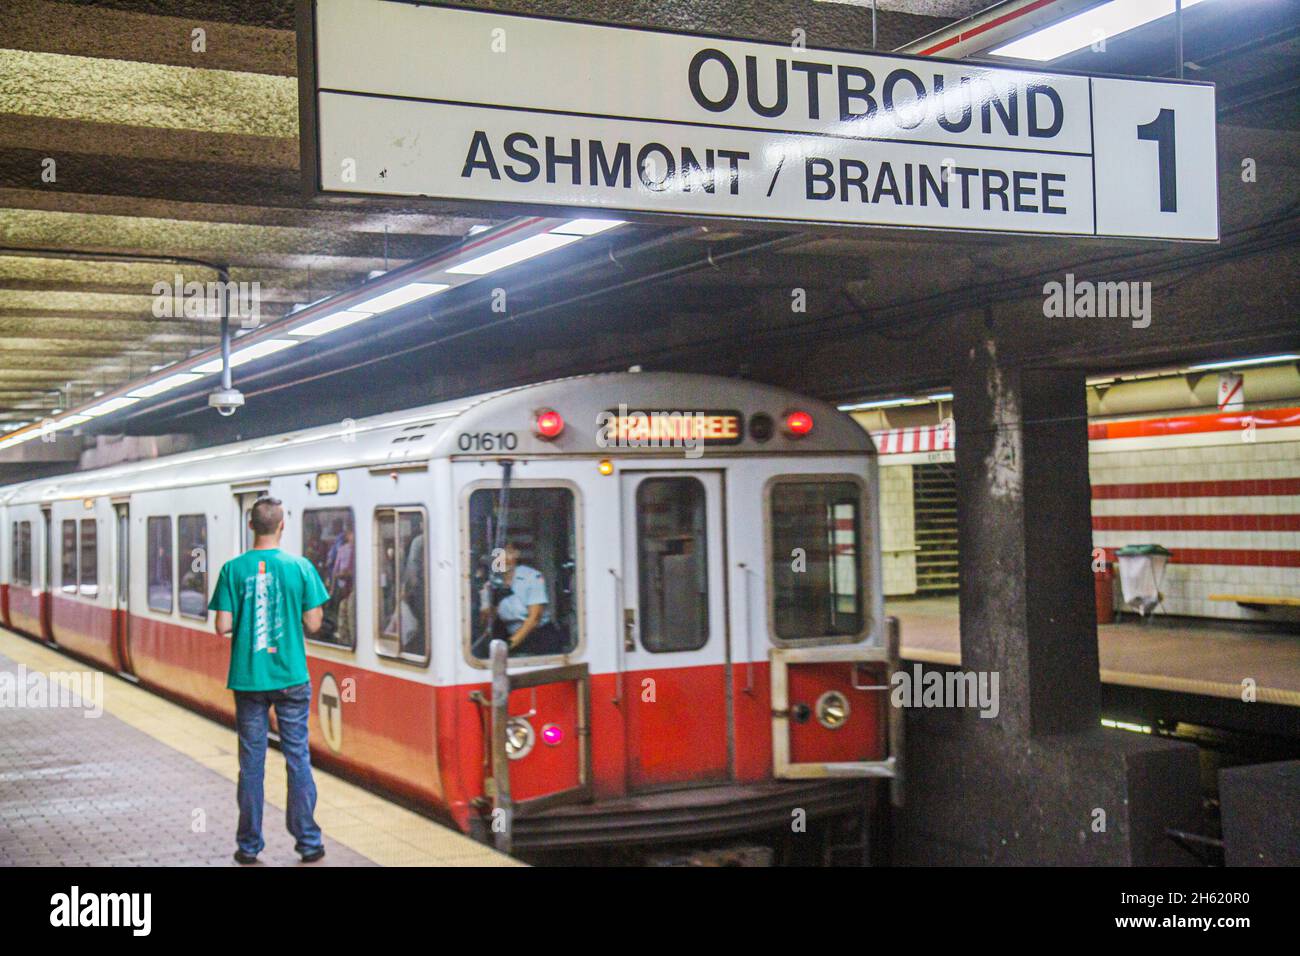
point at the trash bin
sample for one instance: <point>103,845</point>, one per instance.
<point>1104,584</point>
<point>1141,572</point>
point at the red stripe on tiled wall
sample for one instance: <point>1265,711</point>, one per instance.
<point>1200,489</point>
<point>1196,424</point>
<point>1240,557</point>
<point>1196,522</point>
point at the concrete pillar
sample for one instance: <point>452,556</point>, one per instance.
<point>1025,532</point>
<point>1041,782</point>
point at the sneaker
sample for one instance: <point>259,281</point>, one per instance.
<point>313,855</point>
<point>245,858</point>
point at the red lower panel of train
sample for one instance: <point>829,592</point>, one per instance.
<point>652,729</point>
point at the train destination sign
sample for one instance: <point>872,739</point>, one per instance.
<point>457,104</point>
<point>624,428</point>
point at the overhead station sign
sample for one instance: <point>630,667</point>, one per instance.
<point>463,104</point>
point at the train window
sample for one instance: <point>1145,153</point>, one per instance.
<point>22,553</point>
<point>401,567</point>
<point>89,578</point>
<point>816,559</point>
<point>673,581</point>
<point>329,542</point>
<point>530,583</point>
<point>159,535</point>
<point>192,565</point>
<point>68,579</point>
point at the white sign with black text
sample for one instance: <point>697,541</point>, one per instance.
<point>469,105</point>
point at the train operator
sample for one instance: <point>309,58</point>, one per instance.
<point>524,613</point>
<point>264,599</point>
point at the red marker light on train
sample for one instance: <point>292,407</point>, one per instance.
<point>798,424</point>
<point>552,734</point>
<point>549,424</point>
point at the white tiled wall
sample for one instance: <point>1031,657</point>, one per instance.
<point>1187,586</point>
<point>897,530</point>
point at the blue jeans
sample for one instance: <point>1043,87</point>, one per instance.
<point>252,708</point>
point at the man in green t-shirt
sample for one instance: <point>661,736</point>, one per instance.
<point>264,599</point>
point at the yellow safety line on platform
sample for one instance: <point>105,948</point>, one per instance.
<point>1183,685</point>
<point>388,834</point>
<point>928,656</point>
<point>1205,688</point>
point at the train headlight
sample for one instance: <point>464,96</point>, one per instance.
<point>548,424</point>
<point>798,424</point>
<point>520,738</point>
<point>832,710</point>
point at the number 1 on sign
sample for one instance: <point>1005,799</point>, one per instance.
<point>1161,131</point>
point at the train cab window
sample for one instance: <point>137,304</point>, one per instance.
<point>329,541</point>
<point>529,583</point>
<point>816,569</point>
<point>673,581</point>
<point>21,554</point>
<point>402,571</point>
<point>159,541</point>
<point>192,565</point>
<point>68,577</point>
<point>89,577</point>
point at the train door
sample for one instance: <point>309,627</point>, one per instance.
<point>244,507</point>
<point>674,640</point>
<point>122,584</point>
<point>47,575</point>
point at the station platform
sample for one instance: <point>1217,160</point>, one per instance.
<point>1170,654</point>
<point>127,778</point>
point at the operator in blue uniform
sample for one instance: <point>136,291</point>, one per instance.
<point>525,612</point>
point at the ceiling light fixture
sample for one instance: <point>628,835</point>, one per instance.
<point>1083,29</point>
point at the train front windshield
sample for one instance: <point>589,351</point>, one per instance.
<point>522,591</point>
<point>816,559</point>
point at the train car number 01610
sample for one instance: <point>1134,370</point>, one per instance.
<point>487,441</point>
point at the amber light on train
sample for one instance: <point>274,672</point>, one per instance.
<point>798,424</point>
<point>549,424</point>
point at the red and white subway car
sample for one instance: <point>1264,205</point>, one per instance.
<point>708,548</point>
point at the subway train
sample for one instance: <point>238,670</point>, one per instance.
<point>711,661</point>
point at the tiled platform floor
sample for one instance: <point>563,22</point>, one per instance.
<point>149,783</point>
<point>1165,655</point>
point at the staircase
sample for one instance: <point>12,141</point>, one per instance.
<point>934,501</point>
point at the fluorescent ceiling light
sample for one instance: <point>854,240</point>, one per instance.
<point>1076,32</point>
<point>399,296</point>
<point>67,422</point>
<point>255,351</point>
<point>112,405</point>
<point>587,227</point>
<point>883,403</point>
<point>940,397</point>
<point>164,385</point>
<point>18,439</point>
<point>331,323</point>
<point>514,253</point>
<point>1235,363</point>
